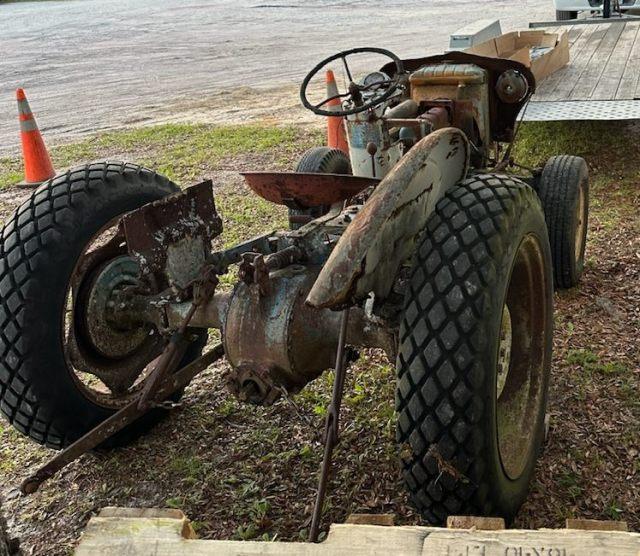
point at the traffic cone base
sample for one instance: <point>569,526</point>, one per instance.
<point>37,162</point>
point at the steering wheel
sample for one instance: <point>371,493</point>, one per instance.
<point>382,89</point>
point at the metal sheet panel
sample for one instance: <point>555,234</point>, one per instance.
<point>566,110</point>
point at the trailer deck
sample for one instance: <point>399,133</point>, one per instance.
<point>602,80</point>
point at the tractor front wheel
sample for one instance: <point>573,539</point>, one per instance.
<point>563,188</point>
<point>318,160</point>
<point>475,351</point>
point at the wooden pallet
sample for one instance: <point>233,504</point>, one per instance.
<point>168,532</point>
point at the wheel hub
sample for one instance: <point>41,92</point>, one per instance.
<point>100,341</point>
<point>110,336</point>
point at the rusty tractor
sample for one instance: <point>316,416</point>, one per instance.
<point>421,241</point>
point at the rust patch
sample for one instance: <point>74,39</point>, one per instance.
<point>300,190</point>
<point>172,236</point>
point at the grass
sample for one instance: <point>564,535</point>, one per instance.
<point>570,481</point>
<point>614,163</point>
<point>179,151</point>
<point>591,363</point>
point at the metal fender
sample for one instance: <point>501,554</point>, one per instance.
<point>383,234</point>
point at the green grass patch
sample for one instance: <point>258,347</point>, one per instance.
<point>180,151</point>
<point>570,481</point>
<point>187,467</point>
<point>591,363</point>
<point>608,148</point>
<point>595,141</point>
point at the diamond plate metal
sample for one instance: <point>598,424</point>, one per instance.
<point>557,111</point>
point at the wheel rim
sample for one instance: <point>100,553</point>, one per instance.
<point>521,358</point>
<point>504,351</point>
<point>108,364</point>
<point>580,224</point>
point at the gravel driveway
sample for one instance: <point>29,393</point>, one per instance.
<point>90,65</point>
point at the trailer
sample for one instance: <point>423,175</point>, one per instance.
<point>601,81</point>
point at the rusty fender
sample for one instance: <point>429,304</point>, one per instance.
<point>382,235</point>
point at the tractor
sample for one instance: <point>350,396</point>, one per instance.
<point>426,240</point>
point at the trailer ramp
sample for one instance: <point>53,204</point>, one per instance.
<point>602,79</point>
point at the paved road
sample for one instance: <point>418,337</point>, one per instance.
<point>90,65</point>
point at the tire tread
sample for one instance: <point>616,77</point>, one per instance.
<point>442,334</point>
<point>29,239</point>
<point>558,189</point>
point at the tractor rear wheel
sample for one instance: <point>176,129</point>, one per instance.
<point>563,188</point>
<point>64,365</point>
<point>318,160</point>
<point>475,351</point>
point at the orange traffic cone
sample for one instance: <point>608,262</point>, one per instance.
<point>336,137</point>
<point>37,163</point>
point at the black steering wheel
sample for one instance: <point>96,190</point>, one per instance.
<point>383,89</point>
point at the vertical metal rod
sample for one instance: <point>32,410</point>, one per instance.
<point>331,427</point>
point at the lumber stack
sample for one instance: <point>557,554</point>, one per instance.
<point>168,532</point>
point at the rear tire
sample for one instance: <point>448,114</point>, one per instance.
<point>318,160</point>
<point>565,16</point>
<point>563,188</point>
<point>40,245</point>
<point>475,351</point>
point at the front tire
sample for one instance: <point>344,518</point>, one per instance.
<point>318,160</point>
<point>563,188</point>
<point>41,247</point>
<point>475,351</point>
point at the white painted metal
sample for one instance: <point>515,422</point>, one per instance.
<point>475,33</point>
<point>585,5</point>
<point>361,132</point>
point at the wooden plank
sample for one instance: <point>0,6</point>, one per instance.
<point>613,71</point>
<point>588,81</point>
<point>544,90</point>
<point>474,522</point>
<point>559,85</point>
<point>159,534</point>
<point>384,520</point>
<point>574,32</point>
<point>631,76</point>
<point>596,525</point>
<point>531,543</point>
<point>145,536</point>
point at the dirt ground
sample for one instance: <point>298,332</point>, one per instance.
<point>248,472</point>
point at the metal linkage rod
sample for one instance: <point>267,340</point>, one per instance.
<point>331,426</point>
<point>118,421</point>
